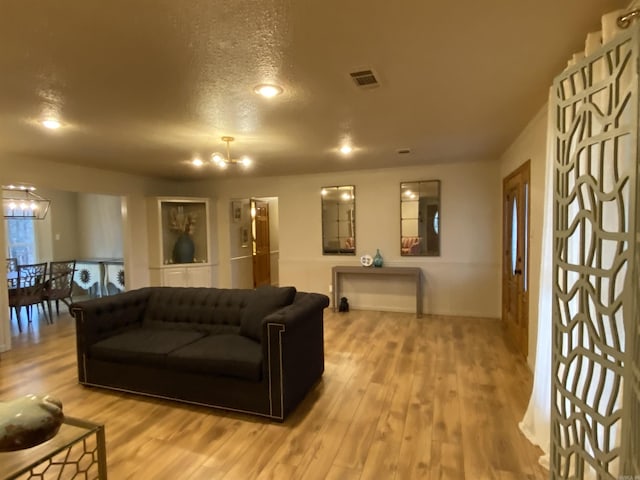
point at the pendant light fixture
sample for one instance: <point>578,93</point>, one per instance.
<point>223,162</point>
<point>20,202</point>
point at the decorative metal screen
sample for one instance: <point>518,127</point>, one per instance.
<point>595,273</point>
<point>631,445</point>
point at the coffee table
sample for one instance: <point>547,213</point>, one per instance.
<point>76,452</point>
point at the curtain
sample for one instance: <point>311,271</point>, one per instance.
<point>537,420</point>
<point>536,424</point>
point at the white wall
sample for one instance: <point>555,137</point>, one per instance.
<point>99,226</point>
<point>240,254</point>
<point>274,239</point>
<point>464,280</point>
<point>79,225</point>
<point>63,216</point>
<point>135,239</point>
<point>531,144</point>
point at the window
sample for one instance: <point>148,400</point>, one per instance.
<point>21,240</point>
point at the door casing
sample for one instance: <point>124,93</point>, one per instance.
<point>515,265</point>
<point>261,249</point>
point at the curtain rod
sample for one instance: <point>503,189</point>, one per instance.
<point>625,20</point>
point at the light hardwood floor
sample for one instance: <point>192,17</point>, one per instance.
<point>401,398</point>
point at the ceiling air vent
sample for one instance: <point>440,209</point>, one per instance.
<point>404,150</point>
<point>365,79</point>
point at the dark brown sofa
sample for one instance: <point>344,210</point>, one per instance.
<point>256,351</point>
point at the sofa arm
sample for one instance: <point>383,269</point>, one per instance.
<point>295,315</point>
<point>293,346</point>
<point>100,318</point>
<point>103,317</point>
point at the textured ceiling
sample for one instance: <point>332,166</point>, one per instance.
<point>144,85</point>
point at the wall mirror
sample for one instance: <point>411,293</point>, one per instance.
<point>420,218</point>
<point>339,220</point>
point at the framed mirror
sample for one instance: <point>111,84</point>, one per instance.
<point>339,220</point>
<point>420,218</point>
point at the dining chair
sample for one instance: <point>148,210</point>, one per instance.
<point>12,264</point>
<point>12,271</point>
<point>29,289</point>
<point>59,285</point>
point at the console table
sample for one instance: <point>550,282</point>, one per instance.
<point>100,276</point>
<point>412,272</point>
<point>76,452</point>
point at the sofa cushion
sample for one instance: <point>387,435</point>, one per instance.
<point>264,300</point>
<point>143,345</point>
<point>227,355</point>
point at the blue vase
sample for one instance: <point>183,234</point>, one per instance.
<point>377,260</point>
<point>184,250</point>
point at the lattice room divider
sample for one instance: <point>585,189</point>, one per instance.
<point>595,432</point>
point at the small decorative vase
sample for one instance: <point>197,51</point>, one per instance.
<point>28,421</point>
<point>184,250</point>
<point>377,260</point>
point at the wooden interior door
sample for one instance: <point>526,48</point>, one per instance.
<point>515,263</point>
<point>261,251</point>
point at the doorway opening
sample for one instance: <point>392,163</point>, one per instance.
<point>254,242</point>
<point>261,250</point>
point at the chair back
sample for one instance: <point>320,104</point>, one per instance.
<point>31,281</point>
<point>12,272</point>
<point>12,265</point>
<point>60,280</point>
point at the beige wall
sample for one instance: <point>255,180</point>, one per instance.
<point>64,224</point>
<point>464,280</point>
<point>531,144</point>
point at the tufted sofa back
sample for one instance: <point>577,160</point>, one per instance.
<point>211,310</point>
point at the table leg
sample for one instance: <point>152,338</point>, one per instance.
<point>102,453</point>
<point>335,291</point>
<point>419,296</point>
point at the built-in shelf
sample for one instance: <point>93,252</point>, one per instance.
<point>174,220</point>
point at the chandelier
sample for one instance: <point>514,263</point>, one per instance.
<point>20,201</point>
<point>223,162</point>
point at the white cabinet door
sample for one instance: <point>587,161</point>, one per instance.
<point>186,276</point>
<point>174,277</point>
<point>198,276</point>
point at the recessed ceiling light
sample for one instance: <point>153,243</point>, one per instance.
<point>268,90</point>
<point>346,149</point>
<point>197,162</point>
<point>51,123</point>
